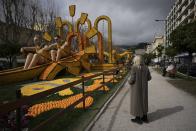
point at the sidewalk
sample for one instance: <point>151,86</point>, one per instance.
<point>170,109</point>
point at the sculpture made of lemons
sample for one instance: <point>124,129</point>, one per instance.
<point>37,109</point>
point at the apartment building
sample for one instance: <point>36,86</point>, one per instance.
<point>182,12</point>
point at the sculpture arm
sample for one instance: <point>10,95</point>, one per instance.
<point>28,49</point>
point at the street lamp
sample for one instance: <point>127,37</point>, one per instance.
<point>165,22</point>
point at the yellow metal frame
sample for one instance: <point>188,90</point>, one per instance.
<point>98,19</point>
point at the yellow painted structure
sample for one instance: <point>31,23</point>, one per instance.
<point>103,66</point>
<point>93,32</point>
<point>20,74</point>
<point>60,25</point>
<point>72,9</point>
<point>75,61</point>
<point>73,67</point>
<point>128,54</point>
<point>116,56</point>
<point>78,24</point>
<point>47,36</point>
<point>83,18</point>
<point>98,19</point>
<point>31,89</point>
<point>81,21</point>
<point>71,35</point>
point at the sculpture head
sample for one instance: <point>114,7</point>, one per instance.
<point>57,39</point>
<point>36,39</point>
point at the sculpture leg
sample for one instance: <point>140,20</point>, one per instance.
<point>28,60</point>
<point>34,61</point>
<point>60,54</point>
<point>53,55</point>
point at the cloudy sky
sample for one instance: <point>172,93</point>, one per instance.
<point>133,20</point>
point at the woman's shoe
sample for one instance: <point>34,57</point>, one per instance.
<point>145,119</point>
<point>137,120</point>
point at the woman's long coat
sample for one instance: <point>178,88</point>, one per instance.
<point>140,75</point>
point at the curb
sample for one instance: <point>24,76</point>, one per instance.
<point>106,104</point>
<point>185,75</point>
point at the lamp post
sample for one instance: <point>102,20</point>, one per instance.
<point>165,22</point>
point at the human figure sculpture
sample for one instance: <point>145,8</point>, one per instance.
<point>63,51</point>
<point>39,54</point>
<point>57,50</point>
<point>55,47</point>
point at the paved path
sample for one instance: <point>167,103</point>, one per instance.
<point>170,109</point>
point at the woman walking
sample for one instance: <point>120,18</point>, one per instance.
<point>140,75</point>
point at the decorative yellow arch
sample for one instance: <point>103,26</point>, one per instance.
<point>98,19</point>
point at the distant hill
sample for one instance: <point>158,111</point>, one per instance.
<point>141,45</point>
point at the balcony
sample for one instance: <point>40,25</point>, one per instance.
<point>190,11</point>
<point>183,11</point>
<point>183,3</point>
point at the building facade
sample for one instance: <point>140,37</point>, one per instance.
<point>151,48</point>
<point>182,12</point>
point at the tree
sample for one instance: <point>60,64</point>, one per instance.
<point>18,19</point>
<point>8,51</point>
<point>170,51</point>
<point>159,50</point>
<point>148,57</point>
<point>183,39</point>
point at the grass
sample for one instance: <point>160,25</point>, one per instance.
<point>8,92</point>
<point>184,83</point>
<point>178,75</point>
<point>188,86</point>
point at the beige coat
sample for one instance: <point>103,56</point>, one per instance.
<point>140,75</point>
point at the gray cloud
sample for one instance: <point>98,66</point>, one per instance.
<point>133,20</point>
